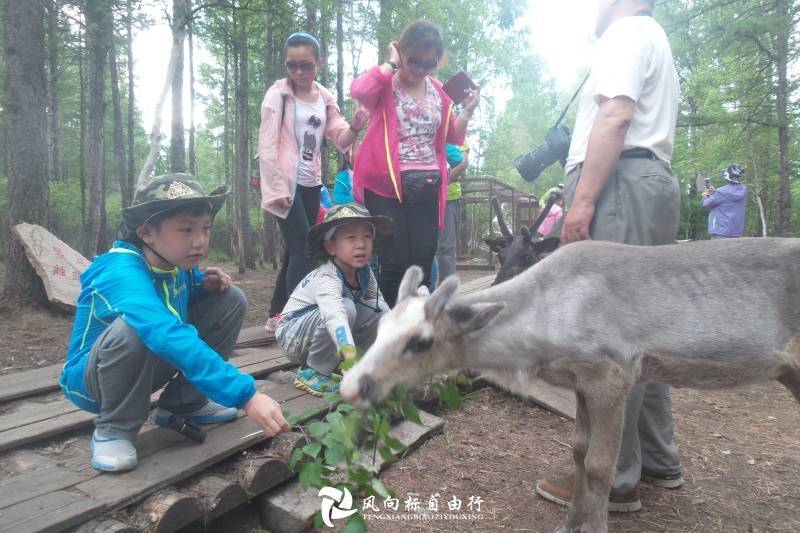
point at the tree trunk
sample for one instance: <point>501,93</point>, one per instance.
<point>311,16</point>
<point>177,142</point>
<point>54,158</point>
<point>340,56</point>
<point>781,105</point>
<point>82,144</point>
<point>226,148</point>
<point>120,164</point>
<point>131,108</point>
<point>98,33</point>
<point>192,154</point>
<point>155,134</point>
<point>384,28</point>
<point>246,258</point>
<point>25,104</point>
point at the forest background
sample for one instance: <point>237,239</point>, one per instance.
<point>76,141</point>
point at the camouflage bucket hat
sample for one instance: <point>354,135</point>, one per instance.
<point>167,192</point>
<point>344,214</point>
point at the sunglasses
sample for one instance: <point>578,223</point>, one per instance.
<point>305,66</point>
<point>421,64</point>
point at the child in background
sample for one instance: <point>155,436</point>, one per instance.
<point>147,318</point>
<point>336,307</point>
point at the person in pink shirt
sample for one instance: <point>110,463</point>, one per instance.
<point>296,114</point>
<point>555,213</point>
<point>400,170</point>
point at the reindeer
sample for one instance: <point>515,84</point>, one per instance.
<point>519,252</point>
<point>625,315</point>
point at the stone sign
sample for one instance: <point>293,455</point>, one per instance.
<point>58,265</point>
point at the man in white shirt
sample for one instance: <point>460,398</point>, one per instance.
<point>620,187</point>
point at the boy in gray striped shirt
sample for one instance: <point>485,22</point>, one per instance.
<point>337,306</point>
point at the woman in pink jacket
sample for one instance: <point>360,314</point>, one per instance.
<point>401,169</point>
<point>297,112</point>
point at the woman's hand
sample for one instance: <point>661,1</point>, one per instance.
<point>266,412</point>
<point>284,202</point>
<point>215,279</point>
<point>394,53</point>
<point>360,118</point>
<point>471,101</point>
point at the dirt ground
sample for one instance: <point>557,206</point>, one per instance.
<point>740,449</point>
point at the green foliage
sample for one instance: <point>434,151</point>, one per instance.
<point>341,449</point>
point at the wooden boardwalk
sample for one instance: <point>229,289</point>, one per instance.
<point>47,484</point>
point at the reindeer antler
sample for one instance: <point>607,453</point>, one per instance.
<point>501,221</point>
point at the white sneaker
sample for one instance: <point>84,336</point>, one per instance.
<point>113,455</point>
<point>210,413</point>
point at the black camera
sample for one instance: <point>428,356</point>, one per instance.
<point>555,148</point>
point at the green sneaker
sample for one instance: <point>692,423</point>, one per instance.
<point>313,382</point>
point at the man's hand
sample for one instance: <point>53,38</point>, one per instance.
<point>577,222</point>
<point>215,279</point>
<point>284,202</point>
<point>266,412</point>
<point>709,191</point>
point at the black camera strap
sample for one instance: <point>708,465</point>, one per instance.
<point>574,96</point>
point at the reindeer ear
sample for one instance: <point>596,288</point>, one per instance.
<point>423,291</point>
<point>410,284</point>
<point>435,304</point>
<point>546,246</point>
<point>526,234</point>
<point>470,318</point>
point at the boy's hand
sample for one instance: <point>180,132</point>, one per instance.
<point>266,412</point>
<point>216,279</point>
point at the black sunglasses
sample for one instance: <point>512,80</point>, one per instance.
<point>306,66</point>
<point>421,64</point>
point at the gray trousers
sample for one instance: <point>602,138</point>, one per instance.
<point>306,340</point>
<point>640,204</point>
<point>122,373</point>
<point>446,248</point>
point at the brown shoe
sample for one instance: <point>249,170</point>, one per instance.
<point>665,481</point>
<point>559,491</point>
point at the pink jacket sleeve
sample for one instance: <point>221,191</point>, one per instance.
<point>335,127</point>
<point>368,87</point>
<point>273,186</point>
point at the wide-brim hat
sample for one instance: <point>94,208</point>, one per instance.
<point>167,192</point>
<point>345,214</point>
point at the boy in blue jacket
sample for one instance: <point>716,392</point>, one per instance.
<point>147,318</point>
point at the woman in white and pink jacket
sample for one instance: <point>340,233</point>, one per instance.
<point>296,114</point>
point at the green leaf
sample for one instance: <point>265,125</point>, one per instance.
<point>297,454</point>
<point>318,523</point>
<point>312,449</point>
<point>345,408</point>
<point>318,429</point>
<point>379,488</point>
<point>387,454</point>
<point>393,443</point>
<point>451,396</point>
<point>311,474</point>
<point>355,524</point>
<point>411,412</point>
<point>347,364</point>
<point>359,476</point>
<point>334,454</point>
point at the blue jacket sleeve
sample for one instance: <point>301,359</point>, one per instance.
<point>128,292</point>
<point>716,198</point>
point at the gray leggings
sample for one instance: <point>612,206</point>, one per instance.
<point>640,204</point>
<point>122,373</point>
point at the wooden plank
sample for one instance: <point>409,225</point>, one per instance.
<point>41,424</point>
<point>105,525</point>
<point>35,483</point>
<point>32,382</point>
<point>184,459</point>
<point>217,495</point>
<point>55,511</point>
<point>290,509</point>
<point>29,382</point>
<point>556,399</point>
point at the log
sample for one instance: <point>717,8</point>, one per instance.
<point>105,525</point>
<point>217,495</point>
<point>170,510</point>
<point>261,472</point>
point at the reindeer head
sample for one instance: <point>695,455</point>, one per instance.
<point>423,335</point>
<point>519,252</point>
